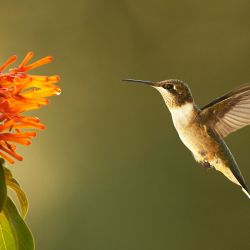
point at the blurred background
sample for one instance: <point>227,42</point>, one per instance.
<point>109,172</point>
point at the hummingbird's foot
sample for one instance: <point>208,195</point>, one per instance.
<point>206,164</point>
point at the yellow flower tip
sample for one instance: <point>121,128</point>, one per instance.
<point>53,79</point>
<point>58,91</point>
<point>58,78</point>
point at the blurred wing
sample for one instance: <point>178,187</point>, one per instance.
<point>229,112</point>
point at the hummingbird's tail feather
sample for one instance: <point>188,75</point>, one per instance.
<point>246,192</point>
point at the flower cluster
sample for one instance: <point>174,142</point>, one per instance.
<point>20,92</point>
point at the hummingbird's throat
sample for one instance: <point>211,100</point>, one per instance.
<point>166,97</point>
<point>171,100</point>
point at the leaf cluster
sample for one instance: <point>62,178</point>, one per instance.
<point>14,233</point>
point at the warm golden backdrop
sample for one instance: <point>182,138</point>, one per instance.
<point>109,172</point>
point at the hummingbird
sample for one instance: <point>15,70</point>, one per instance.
<point>202,130</point>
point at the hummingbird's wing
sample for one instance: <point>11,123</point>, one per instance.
<point>229,112</point>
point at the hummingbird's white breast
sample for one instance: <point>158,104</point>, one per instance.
<point>183,117</point>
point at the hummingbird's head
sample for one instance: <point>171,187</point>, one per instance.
<point>174,92</point>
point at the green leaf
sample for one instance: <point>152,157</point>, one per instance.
<point>3,189</point>
<point>15,234</point>
<point>7,239</point>
<point>13,184</point>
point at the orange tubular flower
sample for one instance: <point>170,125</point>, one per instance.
<point>20,92</point>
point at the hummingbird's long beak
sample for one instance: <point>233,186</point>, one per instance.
<point>141,81</point>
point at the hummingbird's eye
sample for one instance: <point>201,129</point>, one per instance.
<point>168,86</point>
